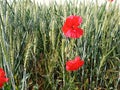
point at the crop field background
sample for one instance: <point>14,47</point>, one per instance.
<point>33,48</point>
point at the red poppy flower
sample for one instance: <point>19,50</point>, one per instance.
<point>70,27</point>
<point>75,64</point>
<point>110,0</point>
<point>3,78</point>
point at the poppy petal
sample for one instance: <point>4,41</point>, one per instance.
<point>73,20</point>
<point>3,79</point>
<point>75,64</point>
<point>2,73</point>
<point>1,84</point>
<point>70,27</point>
<point>76,33</point>
<point>77,20</point>
<point>69,22</point>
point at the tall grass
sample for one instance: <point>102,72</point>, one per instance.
<point>33,49</point>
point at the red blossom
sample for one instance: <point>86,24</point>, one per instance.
<point>110,0</point>
<point>75,64</point>
<point>3,78</point>
<point>71,27</point>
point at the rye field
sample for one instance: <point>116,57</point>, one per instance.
<point>34,50</point>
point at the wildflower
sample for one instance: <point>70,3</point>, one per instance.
<point>70,27</point>
<point>75,64</point>
<point>3,78</point>
<point>110,0</point>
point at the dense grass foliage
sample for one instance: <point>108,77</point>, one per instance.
<point>33,49</point>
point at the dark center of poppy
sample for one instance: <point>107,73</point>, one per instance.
<point>73,27</point>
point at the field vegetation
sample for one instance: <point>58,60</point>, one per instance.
<point>33,48</point>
